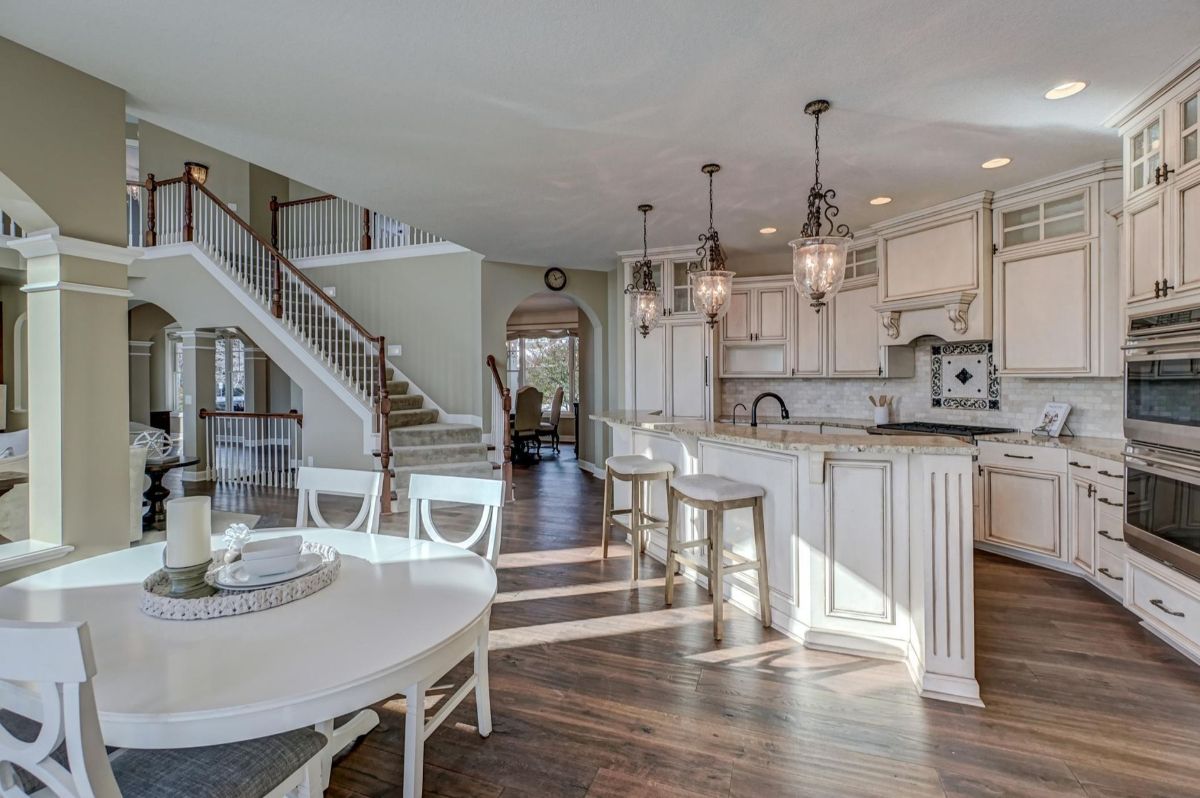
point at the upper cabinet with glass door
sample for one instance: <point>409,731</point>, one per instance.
<point>670,267</point>
<point>1043,216</point>
<point>1144,154</point>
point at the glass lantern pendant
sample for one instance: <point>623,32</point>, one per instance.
<point>819,257</point>
<point>710,281</point>
<point>646,302</point>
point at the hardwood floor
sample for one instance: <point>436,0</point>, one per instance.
<point>600,691</point>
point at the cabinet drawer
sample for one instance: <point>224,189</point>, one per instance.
<point>1110,474</point>
<point>1018,456</point>
<point>1082,466</point>
<point>1109,534</point>
<point>1110,571</point>
<point>1110,501</point>
<point>1164,603</point>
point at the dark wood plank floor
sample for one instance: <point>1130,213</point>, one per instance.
<point>600,691</point>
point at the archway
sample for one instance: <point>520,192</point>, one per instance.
<point>151,372</point>
<point>552,340</point>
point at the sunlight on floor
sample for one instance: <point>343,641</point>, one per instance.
<point>576,590</point>
<point>608,626</point>
<point>527,559</point>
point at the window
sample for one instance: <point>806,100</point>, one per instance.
<point>177,373</point>
<point>230,357</point>
<point>545,362</point>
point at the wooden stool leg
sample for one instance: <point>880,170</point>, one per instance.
<point>635,515</point>
<point>716,537</point>
<point>760,549</point>
<point>708,551</point>
<point>670,588</point>
<point>606,524</point>
<point>645,535</point>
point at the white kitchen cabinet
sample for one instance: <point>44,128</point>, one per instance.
<point>935,271</point>
<point>809,332</point>
<point>755,335</point>
<point>669,267</point>
<point>1161,134</point>
<point>1083,524</point>
<point>648,364</point>
<point>853,332</point>
<point>687,370</point>
<point>1022,509</point>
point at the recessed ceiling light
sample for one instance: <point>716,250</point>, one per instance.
<point>767,230</point>
<point>881,200</point>
<point>996,163</point>
<point>1066,89</point>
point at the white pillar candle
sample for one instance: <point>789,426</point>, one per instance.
<point>189,531</point>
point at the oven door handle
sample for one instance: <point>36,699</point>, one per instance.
<point>1168,470</point>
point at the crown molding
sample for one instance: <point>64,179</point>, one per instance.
<point>41,245</point>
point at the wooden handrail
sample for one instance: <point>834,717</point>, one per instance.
<point>291,267</point>
<point>291,415</point>
<point>491,362</point>
<point>505,437</point>
<point>305,201</point>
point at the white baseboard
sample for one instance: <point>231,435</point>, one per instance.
<point>591,468</point>
<point>195,476</point>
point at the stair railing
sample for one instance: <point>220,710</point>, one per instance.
<point>261,449</point>
<point>182,210</point>
<point>501,427</point>
<point>329,225</point>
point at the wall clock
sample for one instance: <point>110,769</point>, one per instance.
<point>556,278</point>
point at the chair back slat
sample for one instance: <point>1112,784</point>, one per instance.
<point>312,482</point>
<point>556,407</point>
<point>488,494</point>
<point>46,681</point>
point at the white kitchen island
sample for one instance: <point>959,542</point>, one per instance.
<point>869,538</point>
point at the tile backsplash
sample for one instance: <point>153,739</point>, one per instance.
<point>1095,403</point>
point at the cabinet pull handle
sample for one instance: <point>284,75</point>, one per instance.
<point>980,469</point>
<point>1104,533</point>
<point>1081,465</point>
<point>706,371</point>
<point>1165,285</point>
<point>1111,575</point>
<point>1019,456</point>
<point>1105,473</point>
<point>1158,603</point>
<point>1110,503</point>
<point>1091,491</point>
<point>1157,287</point>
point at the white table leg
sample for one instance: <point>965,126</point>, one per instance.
<point>341,736</point>
<point>483,695</point>
<point>326,756</point>
<point>414,739</point>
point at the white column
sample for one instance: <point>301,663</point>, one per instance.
<point>78,391</point>
<point>139,381</point>
<point>942,547</point>
<point>199,393</point>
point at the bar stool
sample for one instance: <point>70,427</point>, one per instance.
<point>641,472</point>
<point>715,495</point>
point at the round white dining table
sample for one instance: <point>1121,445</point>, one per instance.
<point>400,614</point>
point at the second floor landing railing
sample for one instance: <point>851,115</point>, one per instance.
<point>329,225</point>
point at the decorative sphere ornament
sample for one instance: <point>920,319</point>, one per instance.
<point>156,442</point>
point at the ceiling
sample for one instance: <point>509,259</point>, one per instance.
<point>529,130</point>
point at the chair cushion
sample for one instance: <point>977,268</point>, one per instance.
<point>637,464</point>
<point>711,488</point>
<point>249,769</point>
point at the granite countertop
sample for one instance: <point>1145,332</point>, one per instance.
<point>1108,448</point>
<point>786,439</point>
<point>849,423</point>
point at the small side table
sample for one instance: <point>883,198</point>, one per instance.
<point>156,494</point>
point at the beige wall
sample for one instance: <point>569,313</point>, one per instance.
<point>162,153</point>
<point>505,285</point>
<point>264,184</point>
<point>430,306</point>
<point>62,143</point>
<point>12,305</point>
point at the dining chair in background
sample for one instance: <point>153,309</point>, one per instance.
<point>311,482</point>
<point>551,428</point>
<point>50,737</point>
<point>527,419</point>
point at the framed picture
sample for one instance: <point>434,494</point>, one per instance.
<point>1053,419</point>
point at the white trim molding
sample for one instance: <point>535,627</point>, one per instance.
<point>376,255</point>
<point>140,348</point>
<point>29,552</point>
<point>78,288</point>
<point>51,243</point>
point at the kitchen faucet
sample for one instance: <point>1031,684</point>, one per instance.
<point>735,407</point>
<point>783,411</point>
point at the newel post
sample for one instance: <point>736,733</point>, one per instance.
<point>365,243</point>
<point>385,437</point>
<point>151,188</point>
<point>274,221</point>
<point>276,288</point>
<point>187,205</point>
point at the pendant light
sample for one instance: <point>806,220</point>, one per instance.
<point>710,281</point>
<point>645,307</point>
<point>819,260</point>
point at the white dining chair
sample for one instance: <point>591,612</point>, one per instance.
<point>488,494</point>
<point>51,743</point>
<point>312,482</point>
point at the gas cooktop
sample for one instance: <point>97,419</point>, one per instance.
<point>965,431</point>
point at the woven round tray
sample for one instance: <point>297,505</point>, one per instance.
<point>224,603</point>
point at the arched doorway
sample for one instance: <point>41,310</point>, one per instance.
<point>152,390</point>
<point>542,337</point>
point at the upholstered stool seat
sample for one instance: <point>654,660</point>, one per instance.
<point>641,472</point>
<point>637,464</point>
<point>710,488</point>
<point>715,496</point>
